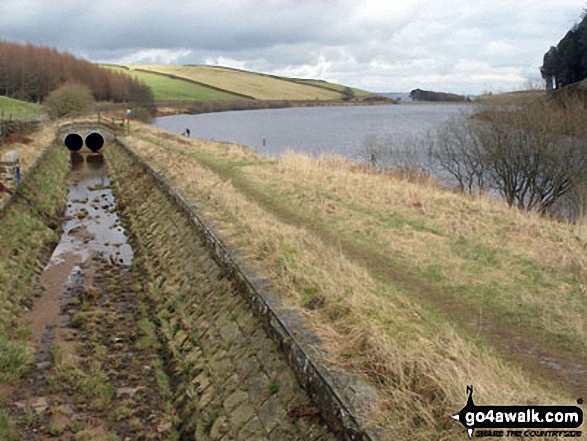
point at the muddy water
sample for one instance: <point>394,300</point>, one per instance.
<point>91,225</point>
<point>91,231</point>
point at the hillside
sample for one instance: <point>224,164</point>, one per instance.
<point>387,269</point>
<point>12,108</point>
<point>247,84</point>
<point>166,88</point>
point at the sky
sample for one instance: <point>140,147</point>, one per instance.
<point>458,46</point>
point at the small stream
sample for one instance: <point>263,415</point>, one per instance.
<point>91,231</point>
<point>91,225</point>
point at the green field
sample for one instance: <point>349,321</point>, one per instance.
<point>333,86</point>
<point>168,89</point>
<point>257,86</point>
<point>11,108</point>
<point>195,82</point>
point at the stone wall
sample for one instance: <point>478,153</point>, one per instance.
<point>343,399</point>
<point>10,169</point>
<point>229,380</point>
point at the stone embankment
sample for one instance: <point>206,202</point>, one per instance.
<point>192,342</point>
<point>229,379</point>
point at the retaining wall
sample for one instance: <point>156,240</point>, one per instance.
<point>344,400</point>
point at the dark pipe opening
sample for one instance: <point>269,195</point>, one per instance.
<point>74,142</point>
<point>94,141</point>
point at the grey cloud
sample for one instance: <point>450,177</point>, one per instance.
<point>374,44</point>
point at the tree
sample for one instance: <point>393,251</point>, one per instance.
<point>69,100</point>
<point>348,94</point>
<point>567,62</point>
<point>521,154</point>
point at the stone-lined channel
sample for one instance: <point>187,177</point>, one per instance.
<point>149,342</point>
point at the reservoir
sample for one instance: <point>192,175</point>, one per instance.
<point>314,130</point>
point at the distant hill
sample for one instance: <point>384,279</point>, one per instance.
<point>402,96</point>
<point>198,82</point>
<point>427,95</point>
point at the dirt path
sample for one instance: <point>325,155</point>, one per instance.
<point>535,354</point>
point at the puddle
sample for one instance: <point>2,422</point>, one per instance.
<point>90,223</point>
<point>90,227</point>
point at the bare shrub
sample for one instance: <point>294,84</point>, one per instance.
<point>456,149</point>
<point>409,157</point>
<point>522,153</point>
<point>69,100</point>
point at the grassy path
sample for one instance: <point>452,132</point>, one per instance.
<point>528,345</point>
<point>416,288</point>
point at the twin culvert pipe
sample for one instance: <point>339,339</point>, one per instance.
<point>74,142</point>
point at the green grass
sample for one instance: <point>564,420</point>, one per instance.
<point>7,432</point>
<point>14,359</point>
<point>11,108</point>
<point>333,86</point>
<point>169,89</point>
<point>249,84</point>
<point>25,235</point>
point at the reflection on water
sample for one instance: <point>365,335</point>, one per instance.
<point>95,160</point>
<point>91,225</point>
<point>76,160</point>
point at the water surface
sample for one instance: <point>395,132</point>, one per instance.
<point>314,130</point>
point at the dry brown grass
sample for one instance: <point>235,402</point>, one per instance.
<point>313,227</point>
<point>29,153</point>
<point>261,87</point>
<point>511,98</point>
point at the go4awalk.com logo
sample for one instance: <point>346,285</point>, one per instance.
<point>520,421</point>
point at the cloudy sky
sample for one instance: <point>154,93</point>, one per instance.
<point>460,46</point>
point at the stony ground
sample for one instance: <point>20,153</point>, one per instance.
<point>229,380</point>
<point>99,381</point>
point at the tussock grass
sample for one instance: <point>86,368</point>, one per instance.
<point>7,432</point>
<point>406,283</point>
<point>260,87</point>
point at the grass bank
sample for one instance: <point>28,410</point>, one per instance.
<point>418,289</point>
<point>224,374</point>
<point>29,233</point>
<point>256,86</point>
<point>16,109</point>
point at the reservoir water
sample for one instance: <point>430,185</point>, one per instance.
<point>315,130</point>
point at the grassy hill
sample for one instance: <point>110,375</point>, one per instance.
<point>236,83</point>
<point>11,108</point>
<point>419,289</point>
<point>332,86</point>
<point>166,88</point>
<point>261,87</point>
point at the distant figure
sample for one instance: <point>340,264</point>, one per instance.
<point>128,113</point>
<point>264,142</point>
<point>187,132</point>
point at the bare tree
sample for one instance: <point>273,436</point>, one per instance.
<point>456,149</point>
<point>517,153</point>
